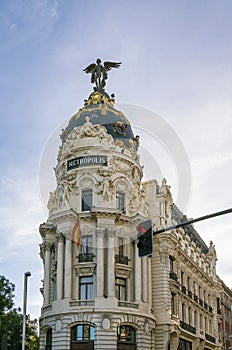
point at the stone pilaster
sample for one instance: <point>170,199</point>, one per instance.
<point>60,265</point>
<point>111,278</point>
<point>100,266</point>
<point>144,279</point>
<point>68,269</point>
<point>47,272</point>
<point>138,280</point>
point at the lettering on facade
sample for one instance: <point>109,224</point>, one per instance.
<point>86,161</point>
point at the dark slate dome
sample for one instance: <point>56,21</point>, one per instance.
<point>100,109</point>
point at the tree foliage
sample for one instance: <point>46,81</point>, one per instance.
<point>6,294</point>
<point>11,320</point>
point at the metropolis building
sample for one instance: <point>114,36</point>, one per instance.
<point>100,294</point>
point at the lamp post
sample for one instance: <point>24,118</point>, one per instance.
<point>26,275</point>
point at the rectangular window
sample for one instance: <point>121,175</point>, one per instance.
<point>171,269</point>
<point>86,245</point>
<point>194,287</point>
<point>120,246</point>
<point>173,304</point>
<point>86,288</point>
<point>195,319</point>
<point>120,200</point>
<point>87,200</point>
<point>185,345</point>
<point>182,278</point>
<point>188,283</point>
<point>120,289</point>
<point>206,325</point>
<point>183,312</point>
<point>201,322</point>
<point>189,315</point>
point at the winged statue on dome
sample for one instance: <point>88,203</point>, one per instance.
<point>99,72</point>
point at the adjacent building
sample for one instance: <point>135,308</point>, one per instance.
<point>97,293</point>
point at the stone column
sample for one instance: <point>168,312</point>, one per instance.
<point>110,271</point>
<point>144,279</point>
<point>68,269</point>
<point>149,290</point>
<point>47,272</point>
<point>60,266</point>
<point>138,280</point>
<point>100,267</point>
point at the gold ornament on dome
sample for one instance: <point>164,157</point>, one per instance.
<point>120,128</point>
<point>97,98</point>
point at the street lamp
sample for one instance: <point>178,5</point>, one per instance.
<point>26,275</point>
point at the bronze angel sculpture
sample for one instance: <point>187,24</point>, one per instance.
<point>99,72</point>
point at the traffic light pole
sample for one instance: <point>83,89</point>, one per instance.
<point>26,275</point>
<point>189,222</point>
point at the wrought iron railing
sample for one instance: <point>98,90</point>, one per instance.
<point>201,302</point>
<point>85,257</point>
<point>81,303</point>
<point>210,338</point>
<point>128,304</point>
<point>183,289</point>
<point>121,259</point>
<point>173,276</point>
<point>187,327</point>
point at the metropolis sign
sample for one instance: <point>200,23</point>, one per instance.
<point>86,161</point>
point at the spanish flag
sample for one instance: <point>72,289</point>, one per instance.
<point>76,233</point>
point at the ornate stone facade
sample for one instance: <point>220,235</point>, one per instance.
<point>100,294</point>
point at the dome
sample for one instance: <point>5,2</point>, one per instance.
<point>100,109</point>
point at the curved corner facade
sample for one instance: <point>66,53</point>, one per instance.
<point>97,293</point>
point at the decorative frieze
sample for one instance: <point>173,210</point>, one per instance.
<point>85,269</point>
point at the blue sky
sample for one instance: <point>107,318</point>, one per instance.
<point>176,63</point>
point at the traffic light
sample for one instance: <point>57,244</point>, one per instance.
<point>145,238</point>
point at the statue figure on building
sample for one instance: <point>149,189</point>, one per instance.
<point>163,187</point>
<point>142,200</point>
<point>69,191</point>
<point>212,256</point>
<point>99,72</point>
<point>59,196</point>
<point>88,129</point>
<point>65,192</point>
<point>136,142</point>
<point>107,189</point>
<point>59,153</point>
<point>134,200</point>
<point>52,205</point>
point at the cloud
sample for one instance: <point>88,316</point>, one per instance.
<point>24,21</point>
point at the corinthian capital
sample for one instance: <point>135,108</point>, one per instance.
<point>59,237</point>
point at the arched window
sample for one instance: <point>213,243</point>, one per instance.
<point>48,343</point>
<point>82,337</point>
<point>126,338</point>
